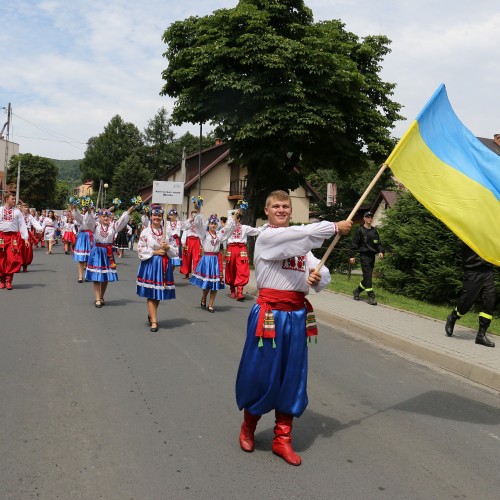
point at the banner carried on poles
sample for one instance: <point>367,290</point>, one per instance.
<point>453,174</point>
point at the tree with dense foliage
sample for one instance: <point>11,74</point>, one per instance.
<point>163,150</point>
<point>282,90</point>
<point>158,138</point>
<point>423,260</point>
<point>106,151</point>
<point>38,179</point>
<point>130,175</point>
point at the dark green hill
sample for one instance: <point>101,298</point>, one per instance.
<point>69,170</point>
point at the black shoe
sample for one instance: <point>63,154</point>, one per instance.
<point>203,305</point>
<point>371,300</point>
<point>450,324</point>
<point>98,304</point>
<point>484,340</point>
<point>154,329</point>
<point>355,293</point>
<point>80,280</point>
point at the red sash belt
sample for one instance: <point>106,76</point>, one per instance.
<point>91,235</point>
<point>241,245</point>
<point>109,252</point>
<point>282,300</point>
<point>211,253</point>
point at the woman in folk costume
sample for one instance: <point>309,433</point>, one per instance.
<point>174,228</point>
<point>36,234</point>
<point>209,272</point>
<point>101,267</point>
<point>32,225</point>
<point>84,241</point>
<point>273,369</point>
<point>191,248</point>
<point>237,264</point>
<point>68,233</point>
<point>155,278</point>
<point>121,241</point>
<point>13,231</point>
<point>49,230</point>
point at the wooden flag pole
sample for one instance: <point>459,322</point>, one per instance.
<point>353,212</point>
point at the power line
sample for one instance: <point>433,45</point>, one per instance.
<point>57,135</point>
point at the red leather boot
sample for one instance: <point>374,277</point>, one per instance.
<point>233,292</point>
<point>282,442</point>
<point>2,282</point>
<point>239,293</point>
<point>248,430</point>
<point>8,281</point>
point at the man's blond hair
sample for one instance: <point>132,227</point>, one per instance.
<point>278,195</point>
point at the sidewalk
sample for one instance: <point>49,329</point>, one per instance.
<point>421,337</point>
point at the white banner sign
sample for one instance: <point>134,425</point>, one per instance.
<point>166,192</point>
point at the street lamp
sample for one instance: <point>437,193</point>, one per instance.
<point>106,186</point>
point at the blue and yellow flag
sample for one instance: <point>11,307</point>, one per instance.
<point>453,174</point>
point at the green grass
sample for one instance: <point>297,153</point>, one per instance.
<point>341,284</point>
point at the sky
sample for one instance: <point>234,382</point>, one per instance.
<point>68,66</point>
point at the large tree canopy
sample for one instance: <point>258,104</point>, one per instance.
<point>38,178</point>
<point>106,151</point>
<point>281,89</point>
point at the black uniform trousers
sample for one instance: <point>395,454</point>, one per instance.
<point>367,264</point>
<point>475,284</point>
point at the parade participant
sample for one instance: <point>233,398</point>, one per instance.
<point>174,228</point>
<point>191,250</point>
<point>36,234</point>
<point>101,267</point>
<point>32,226</point>
<point>155,278</point>
<point>237,264</point>
<point>68,233</point>
<point>42,217</point>
<point>12,231</point>
<point>478,281</point>
<point>121,241</point>
<point>273,367</point>
<point>49,228</point>
<point>366,240</point>
<point>84,241</point>
<point>208,274</point>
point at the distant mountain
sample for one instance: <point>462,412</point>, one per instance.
<point>69,170</point>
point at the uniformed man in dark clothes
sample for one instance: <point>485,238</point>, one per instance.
<point>477,282</point>
<point>366,240</point>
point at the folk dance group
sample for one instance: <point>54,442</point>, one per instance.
<point>272,373</point>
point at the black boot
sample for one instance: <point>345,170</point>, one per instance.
<point>356,293</point>
<point>450,323</point>
<point>481,337</point>
<point>371,299</point>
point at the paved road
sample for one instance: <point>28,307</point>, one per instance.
<point>93,406</point>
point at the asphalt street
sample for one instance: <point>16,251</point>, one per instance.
<point>93,405</point>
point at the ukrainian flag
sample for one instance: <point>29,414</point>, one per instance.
<point>453,175</point>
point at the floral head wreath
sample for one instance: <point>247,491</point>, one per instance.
<point>105,211</point>
<point>117,202</point>
<point>213,219</point>
<point>156,210</point>
<point>172,211</point>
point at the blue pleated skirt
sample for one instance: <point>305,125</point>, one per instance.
<point>99,266</point>
<point>274,378</point>
<point>152,282</point>
<point>82,247</point>
<point>208,274</point>
<point>176,261</point>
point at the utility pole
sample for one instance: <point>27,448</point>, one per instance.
<point>6,137</point>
